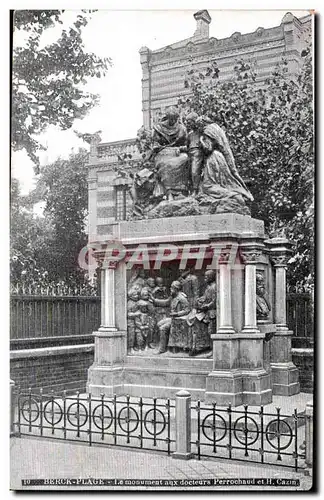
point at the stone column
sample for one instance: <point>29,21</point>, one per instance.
<point>225,294</point>
<point>285,375</point>
<point>280,264</point>
<point>250,257</point>
<point>108,314</point>
<point>105,376</point>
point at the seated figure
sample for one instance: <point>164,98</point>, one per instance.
<point>171,163</point>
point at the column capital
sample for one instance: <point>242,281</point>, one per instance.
<point>279,259</point>
<point>250,255</point>
<point>109,264</point>
<point>224,256</point>
<point>279,250</point>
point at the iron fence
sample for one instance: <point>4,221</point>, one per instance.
<point>120,421</point>
<point>300,319</point>
<point>250,435</point>
<point>178,427</point>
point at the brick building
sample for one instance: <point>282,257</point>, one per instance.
<point>164,69</point>
<point>163,74</point>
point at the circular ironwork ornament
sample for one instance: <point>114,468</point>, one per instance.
<point>101,414</point>
<point>80,419</point>
<point>272,435</point>
<point>208,427</point>
<point>131,418</point>
<point>245,435</point>
<point>52,416</point>
<point>32,407</point>
<point>159,425</point>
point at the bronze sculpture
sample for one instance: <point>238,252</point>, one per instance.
<point>221,182</point>
<point>170,160</point>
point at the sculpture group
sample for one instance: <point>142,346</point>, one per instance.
<point>189,166</point>
<point>178,319</point>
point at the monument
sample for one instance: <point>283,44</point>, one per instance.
<point>193,293</point>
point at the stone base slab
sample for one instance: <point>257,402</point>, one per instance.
<point>285,379</point>
<point>107,380</point>
<point>237,387</point>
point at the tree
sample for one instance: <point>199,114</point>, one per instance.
<point>270,129</point>
<point>29,235</point>
<point>62,186</point>
<point>47,81</point>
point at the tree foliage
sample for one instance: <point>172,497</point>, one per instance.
<point>270,130</point>
<point>46,248</point>
<point>29,236</point>
<point>47,82</point>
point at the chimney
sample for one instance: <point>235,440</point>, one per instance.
<point>203,20</point>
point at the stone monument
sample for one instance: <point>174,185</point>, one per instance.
<point>193,293</point>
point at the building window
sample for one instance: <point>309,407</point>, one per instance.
<point>121,202</point>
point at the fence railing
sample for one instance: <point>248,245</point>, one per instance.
<point>300,318</point>
<point>120,421</point>
<point>181,428</point>
<point>48,316</point>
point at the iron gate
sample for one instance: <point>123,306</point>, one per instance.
<point>120,420</point>
<point>250,435</point>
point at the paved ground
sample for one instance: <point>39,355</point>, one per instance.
<point>35,458</point>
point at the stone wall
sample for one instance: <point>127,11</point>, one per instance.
<point>304,360</point>
<point>56,368</point>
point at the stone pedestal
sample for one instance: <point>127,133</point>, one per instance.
<point>238,375</point>
<point>243,370</point>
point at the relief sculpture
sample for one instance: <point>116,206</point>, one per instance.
<point>263,306</point>
<point>179,319</point>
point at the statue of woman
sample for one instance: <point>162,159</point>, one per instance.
<point>221,180</point>
<point>171,160</point>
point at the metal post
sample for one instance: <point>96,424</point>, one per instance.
<point>183,425</point>
<point>12,408</point>
<point>309,434</point>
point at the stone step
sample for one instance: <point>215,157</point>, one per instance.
<point>174,364</point>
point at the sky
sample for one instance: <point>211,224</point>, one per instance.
<point>119,35</point>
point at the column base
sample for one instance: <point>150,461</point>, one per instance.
<point>107,329</point>
<point>225,329</point>
<point>250,329</point>
<point>282,328</point>
<point>285,379</point>
<point>182,456</point>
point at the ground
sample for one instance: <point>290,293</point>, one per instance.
<point>35,458</point>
